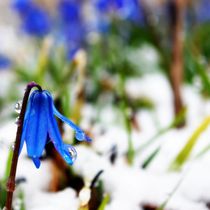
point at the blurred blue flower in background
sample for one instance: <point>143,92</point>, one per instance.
<point>69,11</point>
<point>4,62</point>
<point>22,6</point>
<point>72,25</point>
<point>40,125</point>
<point>203,11</point>
<point>67,26</point>
<point>126,9</point>
<point>35,20</point>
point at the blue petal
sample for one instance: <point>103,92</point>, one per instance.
<point>37,162</point>
<point>36,131</point>
<point>26,118</point>
<point>55,135</point>
<point>53,129</point>
<point>79,134</point>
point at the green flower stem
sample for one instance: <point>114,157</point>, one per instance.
<point>126,117</point>
<point>11,180</point>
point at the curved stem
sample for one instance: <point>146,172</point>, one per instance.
<point>11,179</point>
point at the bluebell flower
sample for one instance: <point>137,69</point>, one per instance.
<point>203,11</point>
<point>35,20</point>
<point>126,9</point>
<point>72,25</point>
<point>40,127</point>
<point>4,62</point>
<point>22,6</point>
<point>103,5</point>
<point>69,11</point>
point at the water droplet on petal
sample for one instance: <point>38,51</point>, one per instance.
<point>72,152</point>
<point>80,136</point>
<point>18,106</point>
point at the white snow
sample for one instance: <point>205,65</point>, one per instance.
<point>128,186</point>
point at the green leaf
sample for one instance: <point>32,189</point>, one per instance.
<point>104,202</point>
<point>150,158</point>
<point>24,75</point>
<point>3,194</point>
<point>187,149</point>
<point>8,165</point>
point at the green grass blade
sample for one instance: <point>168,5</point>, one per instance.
<point>104,202</point>
<point>163,205</point>
<point>150,158</point>
<point>187,149</point>
<point>8,165</point>
<point>203,151</point>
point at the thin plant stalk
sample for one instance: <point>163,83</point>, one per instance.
<point>11,180</point>
<point>176,68</point>
<point>163,205</point>
<point>124,109</point>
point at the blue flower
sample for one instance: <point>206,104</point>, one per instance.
<point>4,62</point>
<point>40,127</point>
<point>22,6</point>
<point>126,9</point>
<point>103,5</point>
<point>202,13</point>
<point>72,25</point>
<point>35,20</point>
<point>69,11</point>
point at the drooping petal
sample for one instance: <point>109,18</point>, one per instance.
<point>53,129</point>
<point>36,132</point>
<point>26,119</point>
<point>37,162</point>
<point>79,134</point>
<point>55,135</point>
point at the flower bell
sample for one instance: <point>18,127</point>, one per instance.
<point>40,125</point>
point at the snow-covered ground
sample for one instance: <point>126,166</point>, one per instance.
<point>129,186</point>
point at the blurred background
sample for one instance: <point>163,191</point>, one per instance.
<point>135,75</point>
